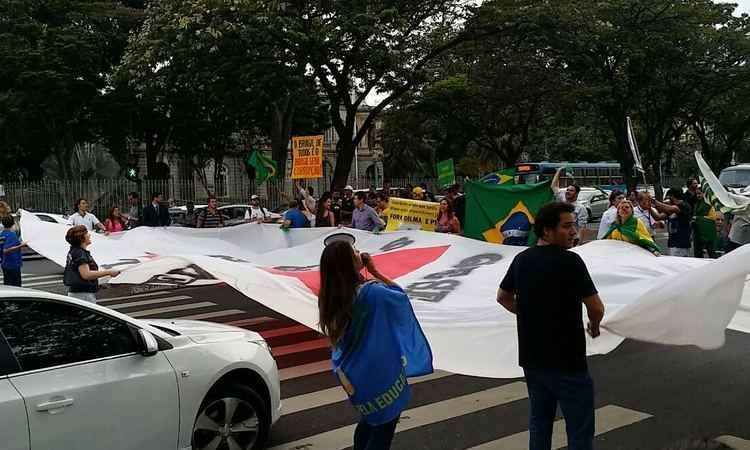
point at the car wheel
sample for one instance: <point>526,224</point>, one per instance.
<point>233,417</point>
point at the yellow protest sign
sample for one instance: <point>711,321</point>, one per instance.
<point>406,214</point>
<point>307,157</point>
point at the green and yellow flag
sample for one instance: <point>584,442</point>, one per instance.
<point>264,166</point>
<point>504,213</point>
<point>705,222</point>
<point>635,232</point>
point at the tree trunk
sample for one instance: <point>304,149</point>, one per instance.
<point>344,159</point>
<point>281,129</point>
<point>151,154</point>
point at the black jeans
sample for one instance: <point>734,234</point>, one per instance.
<point>12,277</point>
<point>368,437</point>
<point>575,394</point>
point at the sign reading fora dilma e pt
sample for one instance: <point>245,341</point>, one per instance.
<point>307,157</point>
<point>405,214</point>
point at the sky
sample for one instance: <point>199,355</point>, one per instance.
<point>743,5</point>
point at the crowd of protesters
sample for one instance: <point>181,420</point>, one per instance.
<point>693,227</point>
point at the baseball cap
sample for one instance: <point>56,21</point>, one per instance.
<point>418,190</point>
<point>348,187</point>
<point>254,197</point>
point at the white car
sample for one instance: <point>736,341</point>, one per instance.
<point>596,201</point>
<point>75,375</point>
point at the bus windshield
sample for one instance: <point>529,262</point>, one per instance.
<point>735,177</point>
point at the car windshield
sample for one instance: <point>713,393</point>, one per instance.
<point>735,177</point>
<point>586,195</point>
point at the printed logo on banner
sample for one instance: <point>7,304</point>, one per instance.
<point>512,229</point>
<point>393,265</point>
<point>433,287</point>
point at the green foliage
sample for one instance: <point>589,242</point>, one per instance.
<point>55,60</point>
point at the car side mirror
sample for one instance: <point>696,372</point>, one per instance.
<point>148,343</point>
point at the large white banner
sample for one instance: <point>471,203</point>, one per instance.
<point>451,280</point>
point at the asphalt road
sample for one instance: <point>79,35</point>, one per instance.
<point>647,396</point>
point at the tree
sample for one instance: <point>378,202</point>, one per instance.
<point>208,71</point>
<point>55,60</point>
<point>641,58</point>
<point>355,48</point>
<point>493,93</point>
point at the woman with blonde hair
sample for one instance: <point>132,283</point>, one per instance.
<point>629,228</point>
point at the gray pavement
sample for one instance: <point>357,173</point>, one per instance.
<point>647,396</point>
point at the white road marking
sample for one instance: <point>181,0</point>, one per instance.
<point>341,438</point>
<point>146,302</point>
<point>608,418</point>
<point>213,315</point>
<point>336,394</point>
<point>169,309</point>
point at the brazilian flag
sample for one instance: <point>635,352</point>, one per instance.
<point>264,166</point>
<point>504,176</point>
<point>504,213</point>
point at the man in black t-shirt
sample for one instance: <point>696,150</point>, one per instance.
<point>545,287</point>
<point>679,222</point>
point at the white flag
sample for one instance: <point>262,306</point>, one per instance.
<point>634,147</point>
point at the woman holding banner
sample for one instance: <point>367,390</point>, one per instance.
<point>629,228</point>
<point>377,340</point>
<point>447,221</point>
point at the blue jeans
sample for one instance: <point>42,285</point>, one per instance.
<point>575,394</point>
<point>368,437</point>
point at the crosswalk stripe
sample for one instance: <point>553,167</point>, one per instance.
<point>290,373</point>
<point>43,283</point>
<point>341,438</point>
<point>153,301</point>
<point>608,418</point>
<point>126,297</point>
<point>734,442</point>
<point>303,346</point>
<point>32,277</point>
<point>336,394</point>
<point>169,309</point>
<point>250,322</point>
<point>213,315</point>
<point>276,332</point>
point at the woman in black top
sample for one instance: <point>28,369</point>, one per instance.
<point>81,271</point>
<point>325,216</point>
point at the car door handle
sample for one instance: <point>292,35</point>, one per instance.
<point>55,404</point>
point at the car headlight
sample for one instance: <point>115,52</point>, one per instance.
<point>263,344</point>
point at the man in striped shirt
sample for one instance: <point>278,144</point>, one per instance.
<point>210,217</point>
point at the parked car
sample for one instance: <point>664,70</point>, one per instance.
<point>76,375</point>
<point>233,214</point>
<point>596,201</point>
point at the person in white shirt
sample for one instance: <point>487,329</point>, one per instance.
<point>648,215</point>
<point>256,213</point>
<point>610,215</point>
<point>85,218</point>
<point>570,195</point>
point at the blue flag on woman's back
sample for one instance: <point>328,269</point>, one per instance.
<point>383,345</point>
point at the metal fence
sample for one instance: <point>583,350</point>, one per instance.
<point>59,196</point>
